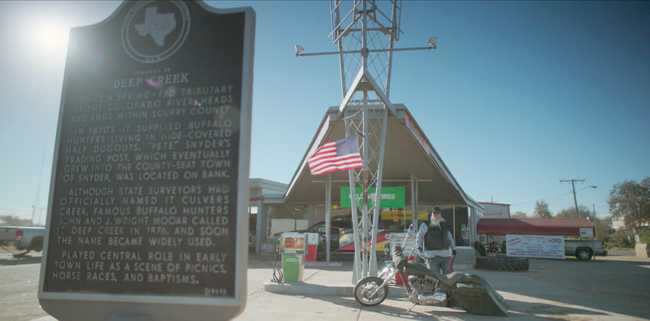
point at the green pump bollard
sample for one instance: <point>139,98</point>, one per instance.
<point>293,267</point>
<point>293,251</point>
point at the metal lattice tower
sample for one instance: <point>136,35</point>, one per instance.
<point>364,33</point>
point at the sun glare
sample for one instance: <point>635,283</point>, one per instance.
<point>50,36</point>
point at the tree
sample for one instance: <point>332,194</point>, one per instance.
<point>541,210</point>
<point>518,214</point>
<point>602,226</point>
<point>570,212</point>
<point>621,239</point>
<point>631,201</point>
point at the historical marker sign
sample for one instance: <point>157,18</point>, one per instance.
<point>149,196</point>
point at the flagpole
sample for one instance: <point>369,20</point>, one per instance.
<point>377,196</point>
<point>368,33</point>
<point>356,271</point>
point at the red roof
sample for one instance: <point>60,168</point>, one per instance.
<point>533,226</point>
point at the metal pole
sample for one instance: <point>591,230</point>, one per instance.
<point>575,200</point>
<point>573,188</point>
<point>259,226</point>
<point>417,201</point>
<point>328,216</point>
<point>394,31</point>
<point>414,214</point>
<point>357,24</point>
<point>330,53</point>
<point>468,226</point>
<point>453,220</point>
<point>377,200</point>
<point>337,19</point>
<point>594,208</point>
<point>366,143</point>
<point>594,228</point>
<point>364,175</point>
<point>356,272</point>
<point>364,36</point>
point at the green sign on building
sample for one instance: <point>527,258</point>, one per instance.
<point>391,196</point>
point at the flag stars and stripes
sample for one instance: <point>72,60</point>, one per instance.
<point>336,156</point>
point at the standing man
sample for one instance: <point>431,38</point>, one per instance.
<point>435,243</point>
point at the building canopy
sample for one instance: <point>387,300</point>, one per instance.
<point>408,153</point>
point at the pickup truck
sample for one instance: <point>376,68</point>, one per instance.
<point>584,250</point>
<point>24,238</point>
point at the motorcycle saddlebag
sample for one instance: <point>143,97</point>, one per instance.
<point>476,296</point>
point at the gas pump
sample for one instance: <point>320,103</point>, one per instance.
<point>293,253</point>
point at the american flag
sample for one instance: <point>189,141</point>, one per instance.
<point>335,156</point>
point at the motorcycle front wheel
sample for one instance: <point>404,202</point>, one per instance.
<point>369,292</point>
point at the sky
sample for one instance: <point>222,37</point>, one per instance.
<point>517,96</point>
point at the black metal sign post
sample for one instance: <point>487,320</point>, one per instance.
<point>149,194</point>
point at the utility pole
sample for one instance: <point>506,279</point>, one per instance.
<point>594,207</point>
<point>573,187</point>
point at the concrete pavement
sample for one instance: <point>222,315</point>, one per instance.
<point>530,296</point>
<point>552,290</point>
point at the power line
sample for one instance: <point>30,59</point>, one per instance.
<point>553,197</point>
<point>573,188</point>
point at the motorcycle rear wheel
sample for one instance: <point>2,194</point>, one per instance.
<point>365,287</point>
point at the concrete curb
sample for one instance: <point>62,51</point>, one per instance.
<point>319,264</point>
<point>308,289</point>
<point>47,318</point>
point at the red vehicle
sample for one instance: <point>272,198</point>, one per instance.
<point>341,235</point>
<point>346,241</point>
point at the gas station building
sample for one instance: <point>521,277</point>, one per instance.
<point>415,179</point>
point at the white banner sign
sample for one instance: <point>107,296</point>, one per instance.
<point>542,246</point>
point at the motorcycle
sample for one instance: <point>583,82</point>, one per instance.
<point>424,287</point>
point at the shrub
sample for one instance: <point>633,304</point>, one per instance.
<point>620,239</point>
<point>644,236</point>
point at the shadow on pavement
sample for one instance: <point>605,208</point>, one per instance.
<point>27,259</point>
<point>600,287</point>
<point>382,309</point>
<point>256,262</point>
<point>517,309</point>
<point>529,308</point>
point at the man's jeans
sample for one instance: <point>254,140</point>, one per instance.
<point>437,264</point>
